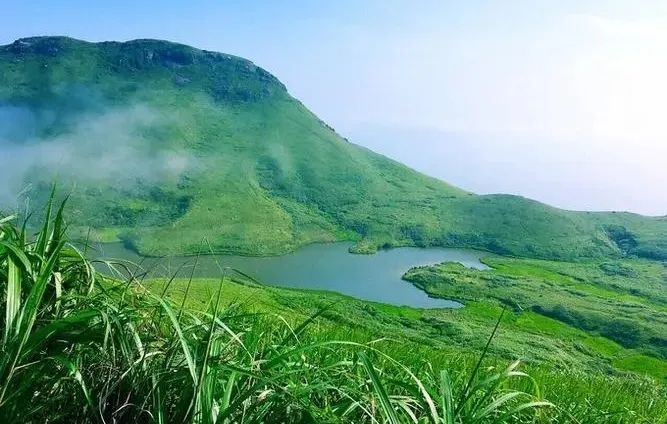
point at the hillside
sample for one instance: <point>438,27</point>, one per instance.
<point>164,145</point>
<point>87,347</point>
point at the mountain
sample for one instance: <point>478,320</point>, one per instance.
<point>163,146</point>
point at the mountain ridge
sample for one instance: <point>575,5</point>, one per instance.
<point>224,153</point>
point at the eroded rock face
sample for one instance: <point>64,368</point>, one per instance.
<point>46,46</point>
<point>143,53</point>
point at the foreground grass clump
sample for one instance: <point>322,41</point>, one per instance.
<point>564,361</point>
<point>80,347</point>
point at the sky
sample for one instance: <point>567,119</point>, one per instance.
<point>561,101</point>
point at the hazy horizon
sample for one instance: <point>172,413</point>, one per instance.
<point>560,102</point>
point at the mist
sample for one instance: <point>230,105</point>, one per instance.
<point>571,173</point>
<point>106,147</point>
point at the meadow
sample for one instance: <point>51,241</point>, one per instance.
<point>79,346</point>
<point>613,311</point>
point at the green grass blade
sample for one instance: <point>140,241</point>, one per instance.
<point>12,297</point>
<point>26,321</point>
<point>495,405</point>
<point>43,236</point>
<point>465,394</point>
<point>528,405</point>
<point>181,339</point>
<point>387,407</point>
<point>58,230</point>
<point>19,257</point>
<point>446,393</point>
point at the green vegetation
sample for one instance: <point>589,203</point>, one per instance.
<point>81,347</point>
<point>615,312</point>
<point>254,172</point>
<point>207,147</point>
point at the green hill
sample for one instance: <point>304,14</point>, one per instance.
<point>165,145</point>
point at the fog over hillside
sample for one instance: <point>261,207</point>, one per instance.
<point>104,145</point>
<point>570,93</point>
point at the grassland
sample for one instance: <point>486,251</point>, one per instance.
<point>531,337</point>
<point>571,366</point>
<point>264,175</point>
<point>81,347</point>
<point>613,312</point>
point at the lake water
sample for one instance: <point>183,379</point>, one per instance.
<point>321,266</point>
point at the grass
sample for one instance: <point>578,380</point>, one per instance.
<point>587,390</point>
<point>603,312</point>
<point>78,346</point>
<point>81,347</point>
<point>542,296</point>
<point>266,175</point>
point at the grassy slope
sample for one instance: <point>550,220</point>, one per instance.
<point>270,176</point>
<point>573,366</point>
<point>79,347</point>
<point>619,305</point>
<point>610,332</point>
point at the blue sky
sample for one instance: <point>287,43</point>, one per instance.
<point>562,101</point>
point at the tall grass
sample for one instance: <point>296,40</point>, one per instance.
<point>78,346</point>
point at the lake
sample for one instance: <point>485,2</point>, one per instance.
<point>321,266</point>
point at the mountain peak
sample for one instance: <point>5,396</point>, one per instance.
<point>166,144</point>
<point>225,77</point>
<point>41,45</point>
